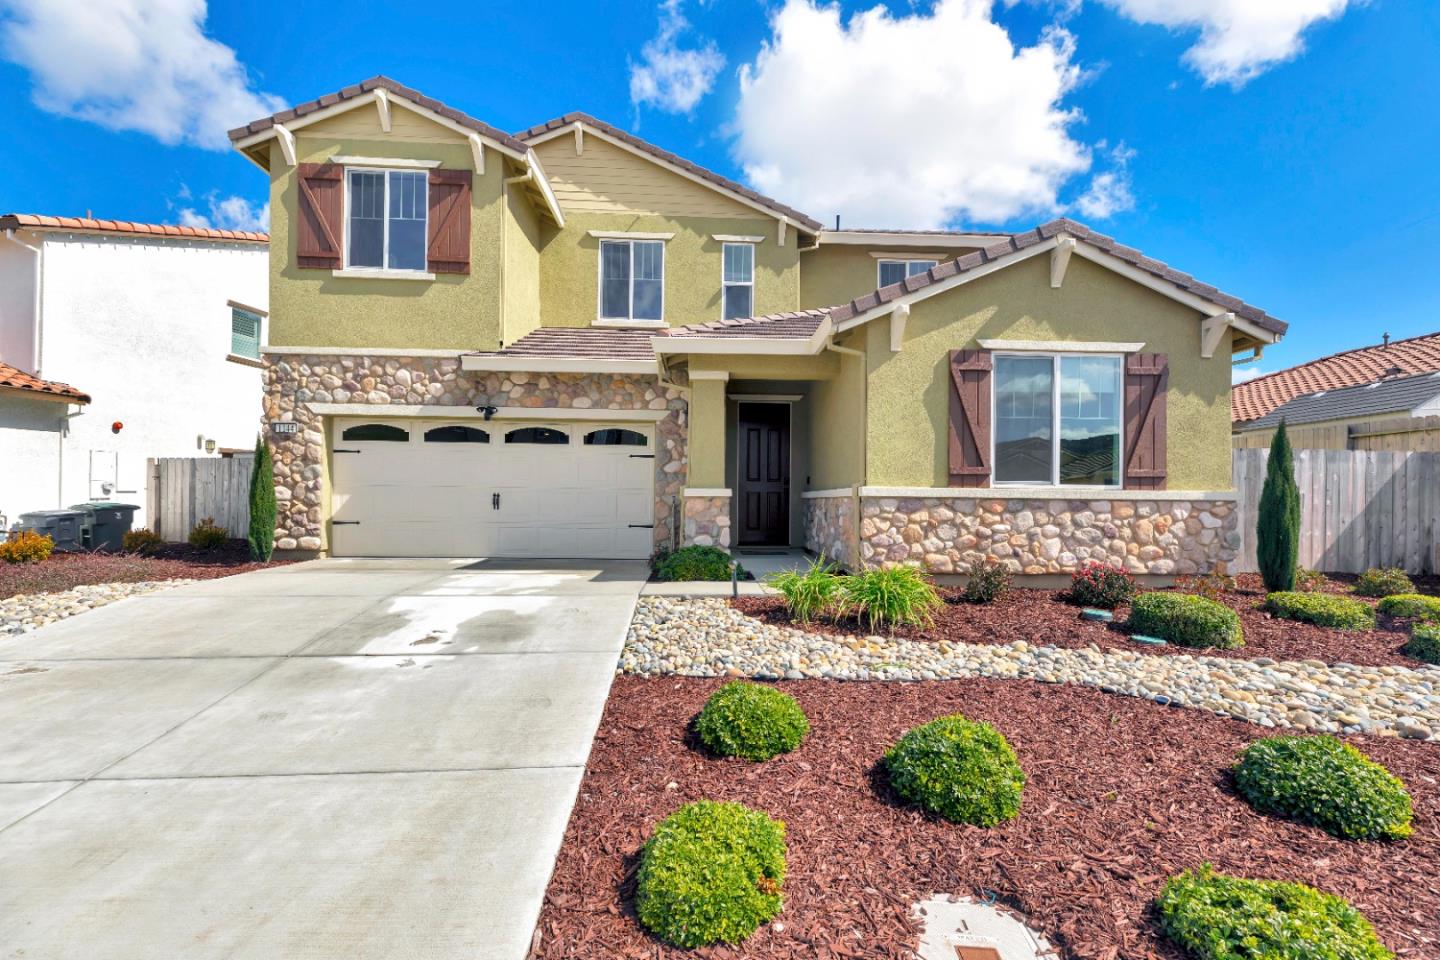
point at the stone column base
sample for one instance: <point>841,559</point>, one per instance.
<point>707,522</point>
<point>830,529</point>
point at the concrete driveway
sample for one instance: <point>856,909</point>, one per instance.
<point>338,759</point>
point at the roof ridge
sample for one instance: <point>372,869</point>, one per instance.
<point>38,221</point>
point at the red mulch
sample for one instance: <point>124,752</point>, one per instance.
<point>1122,794</point>
<point>174,561</point>
<point>1047,618</point>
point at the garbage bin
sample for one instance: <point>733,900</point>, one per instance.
<point>65,527</point>
<point>105,524</point>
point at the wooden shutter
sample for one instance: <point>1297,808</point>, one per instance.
<point>970,418</point>
<point>449,221</point>
<point>1147,381</point>
<point>320,228</point>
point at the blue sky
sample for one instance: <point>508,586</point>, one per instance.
<point>1288,158</point>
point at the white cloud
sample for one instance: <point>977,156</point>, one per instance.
<point>909,121</point>
<point>225,213</point>
<point>671,78</point>
<point>1242,374</point>
<point>1110,191</point>
<point>143,65</point>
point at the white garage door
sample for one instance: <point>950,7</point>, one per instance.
<point>412,488</point>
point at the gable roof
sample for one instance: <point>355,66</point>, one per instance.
<point>1257,397</point>
<point>1397,395</point>
<point>553,128</point>
<point>12,378</point>
<point>35,221</point>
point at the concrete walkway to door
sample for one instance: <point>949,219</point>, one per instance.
<point>336,760</point>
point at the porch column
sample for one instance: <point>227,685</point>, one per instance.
<point>707,500</point>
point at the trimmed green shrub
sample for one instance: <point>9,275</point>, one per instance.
<point>810,593</point>
<point>712,873</point>
<point>1217,917</point>
<point>1415,605</point>
<point>751,721</point>
<point>1383,582</point>
<point>1277,531</point>
<point>141,540</point>
<point>1424,643</point>
<point>989,581</point>
<point>1186,619</point>
<point>1321,781</point>
<point>958,769</point>
<point>1101,585</point>
<point>26,546</point>
<point>1322,609</point>
<point>696,563</point>
<point>208,535</point>
<point>890,596</point>
<point>261,535</point>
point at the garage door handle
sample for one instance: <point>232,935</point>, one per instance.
<point>494,501</point>
<point>338,450</point>
<point>642,456</point>
<point>345,523</point>
<point>642,526</point>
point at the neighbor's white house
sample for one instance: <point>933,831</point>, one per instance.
<point>120,342</point>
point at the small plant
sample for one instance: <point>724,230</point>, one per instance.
<point>1277,531</point>
<point>958,769</point>
<point>1383,582</point>
<point>1424,643</point>
<point>1322,609</point>
<point>696,563</point>
<point>208,535</point>
<point>1186,619</point>
<point>1216,917</point>
<point>751,721</point>
<point>261,535</point>
<point>989,581</point>
<point>1414,605</point>
<point>711,873</point>
<point>1320,780</point>
<point>1101,585</point>
<point>890,596</point>
<point>1309,581</point>
<point>142,541</point>
<point>26,546</point>
<point>1211,586</point>
<point>811,593</point>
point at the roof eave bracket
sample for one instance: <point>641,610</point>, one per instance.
<point>1212,332</point>
<point>1060,260</point>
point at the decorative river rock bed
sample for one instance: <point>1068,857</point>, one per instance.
<point>709,638</point>
<point>27,612</point>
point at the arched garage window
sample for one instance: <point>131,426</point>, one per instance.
<point>536,435</point>
<point>615,437</point>
<point>376,431</point>
<point>456,434</point>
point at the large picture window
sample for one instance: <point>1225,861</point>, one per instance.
<point>1057,420</point>
<point>738,280</point>
<point>386,219</point>
<point>632,280</point>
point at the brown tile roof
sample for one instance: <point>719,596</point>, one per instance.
<point>590,343</point>
<point>922,233</point>
<point>665,155</point>
<point>1255,398</point>
<point>13,379</point>
<point>799,324</point>
<point>31,221</point>
<point>367,86</point>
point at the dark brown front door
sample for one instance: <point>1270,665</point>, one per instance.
<point>764,493</point>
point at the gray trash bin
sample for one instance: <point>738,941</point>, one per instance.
<point>106,524</point>
<point>65,527</point>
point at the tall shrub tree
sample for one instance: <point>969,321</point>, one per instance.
<point>262,503</point>
<point>1277,531</point>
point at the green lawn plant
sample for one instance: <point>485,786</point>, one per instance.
<point>752,721</point>
<point>261,535</point>
<point>1185,619</point>
<point>809,593</point>
<point>1416,606</point>
<point>891,596</point>
<point>1277,532</point>
<point>696,563</point>
<point>1322,609</point>
<point>1325,782</point>
<point>1424,643</point>
<point>1383,582</point>
<point>958,769</point>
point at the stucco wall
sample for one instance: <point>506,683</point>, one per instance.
<point>521,282</point>
<point>707,434</point>
<point>30,452</point>
<point>837,424</point>
<point>17,306</point>
<point>906,433</point>
<point>838,273</point>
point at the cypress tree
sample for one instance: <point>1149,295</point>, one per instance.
<point>262,504</point>
<point>1277,531</point>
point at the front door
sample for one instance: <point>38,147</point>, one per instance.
<point>764,475</point>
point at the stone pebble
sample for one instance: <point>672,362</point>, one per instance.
<point>30,611</point>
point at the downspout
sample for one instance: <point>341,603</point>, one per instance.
<point>830,344</point>
<point>37,343</point>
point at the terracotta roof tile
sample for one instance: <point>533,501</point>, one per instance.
<point>798,324</point>
<point>13,379</point>
<point>590,343</point>
<point>32,221</point>
<point>1255,398</point>
<point>921,233</point>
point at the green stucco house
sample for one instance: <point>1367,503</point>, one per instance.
<point>568,342</point>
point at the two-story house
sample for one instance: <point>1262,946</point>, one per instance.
<point>568,342</point>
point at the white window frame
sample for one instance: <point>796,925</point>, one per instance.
<point>1055,358</point>
<point>259,330</point>
<point>736,283</point>
<point>629,320</point>
<point>382,271</point>
<point>880,266</point>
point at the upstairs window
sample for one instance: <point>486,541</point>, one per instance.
<point>386,219</point>
<point>738,280</point>
<point>893,271</point>
<point>244,333</point>
<point>632,280</point>
<point>1057,420</point>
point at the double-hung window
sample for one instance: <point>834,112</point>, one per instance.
<point>893,271</point>
<point>1058,419</point>
<point>632,280</point>
<point>386,219</point>
<point>738,280</point>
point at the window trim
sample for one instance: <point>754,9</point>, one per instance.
<point>382,272</point>
<point>1055,357</point>
<point>880,267</point>
<point>259,331</point>
<point>726,245</point>
<point>627,321</point>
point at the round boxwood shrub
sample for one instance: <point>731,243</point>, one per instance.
<point>1186,619</point>
<point>1424,643</point>
<point>695,563</point>
<point>1415,605</point>
<point>958,769</point>
<point>1322,609</point>
<point>751,721</point>
<point>1216,917</point>
<point>1321,781</point>
<point>1383,581</point>
<point>712,873</point>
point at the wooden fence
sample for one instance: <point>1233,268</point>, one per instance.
<point>1358,508</point>
<point>182,491</point>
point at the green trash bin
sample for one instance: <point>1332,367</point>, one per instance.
<point>106,524</point>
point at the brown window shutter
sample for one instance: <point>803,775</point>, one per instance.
<point>1147,381</point>
<point>320,229</point>
<point>970,418</point>
<point>449,221</point>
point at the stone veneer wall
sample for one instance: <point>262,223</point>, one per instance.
<point>707,522</point>
<point>830,528</point>
<point>949,534</point>
<point>292,382</point>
